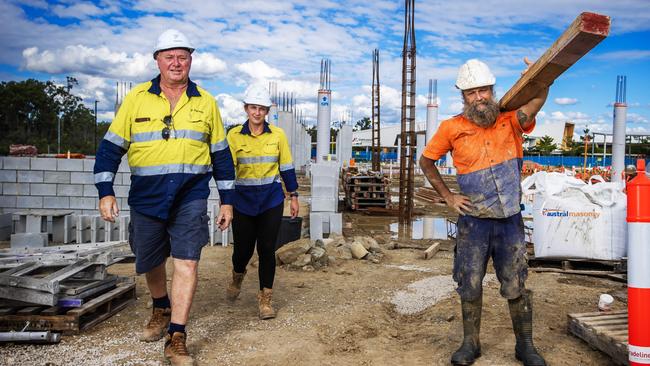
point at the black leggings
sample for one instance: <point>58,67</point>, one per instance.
<point>263,229</point>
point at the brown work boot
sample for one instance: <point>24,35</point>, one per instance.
<point>264,301</point>
<point>234,288</point>
<point>176,350</point>
<point>157,325</point>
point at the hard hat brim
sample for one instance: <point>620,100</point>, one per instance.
<point>190,50</point>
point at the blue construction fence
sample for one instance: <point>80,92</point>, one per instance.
<point>552,160</point>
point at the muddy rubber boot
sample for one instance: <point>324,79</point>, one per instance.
<point>470,350</point>
<point>234,288</point>
<point>521,312</point>
<point>264,302</point>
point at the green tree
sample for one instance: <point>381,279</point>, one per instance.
<point>545,145</point>
<point>362,124</point>
<point>33,110</point>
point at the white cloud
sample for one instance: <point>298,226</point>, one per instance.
<point>623,56</point>
<point>92,61</point>
<point>232,109</point>
<point>205,64</point>
<point>565,101</point>
<point>259,70</point>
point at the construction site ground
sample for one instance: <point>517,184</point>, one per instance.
<point>343,314</point>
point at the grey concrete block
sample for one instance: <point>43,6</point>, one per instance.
<point>89,165</point>
<point>315,226</point>
<point>323,204</point>
<point>15,189</point>
<point>8,176</point>
<point>69,165</point>
<point>124,166</point>
<point>17,163</point>
<point>82,178</point>
<point>7,202</point>
<point>124,227</point>
<point>84,203</point>
<point>324,192</point>
<point>70,190</point>
<point>336,223</point>
<point>90,191</point>
<point>59,228</point>
<point>56,202</point>
<point>6,226</point>
<point>117,180</point>
<point>83,229</point>
<point>214,193</point>
<point>121,191</point>
<point>98,229</point>
<point>43,189</point>
<point>112,231</point>
<point>29,202</point>
<point>69,228</point>
<point>30,176</point>
<point>56,177</point>
<point>212,184</point>
<point>43,164</point>
<point>32,240</point>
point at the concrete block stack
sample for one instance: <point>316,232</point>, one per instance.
<point>324,218</point>
<point>65,184</point>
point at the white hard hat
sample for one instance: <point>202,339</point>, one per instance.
<point>257,94</point>
<point>170,39</point>
<point>474,74</point>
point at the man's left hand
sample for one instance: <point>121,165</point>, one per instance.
<point>225,217</point>
<point>295,207</point>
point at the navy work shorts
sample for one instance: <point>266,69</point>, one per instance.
<point>182,235</point>
<point>477,240</point>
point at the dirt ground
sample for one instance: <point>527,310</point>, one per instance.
<point>339,315</point>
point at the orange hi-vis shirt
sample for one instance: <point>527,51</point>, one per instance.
<point>488,161</point>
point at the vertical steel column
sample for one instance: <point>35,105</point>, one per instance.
<point>407,137</point>
<point>376,141</point>
<point>618,138</point>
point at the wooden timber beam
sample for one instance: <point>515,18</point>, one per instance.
<point>582,35</point>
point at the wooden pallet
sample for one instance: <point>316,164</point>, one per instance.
<point>606,332</point>
<point>66,320</point>
<point>612,269</point>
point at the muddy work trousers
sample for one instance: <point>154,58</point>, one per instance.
<point>478,240</point>
<point>263,231</point>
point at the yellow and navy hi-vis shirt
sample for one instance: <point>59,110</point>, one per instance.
<point>260,161</point>
<point>165,173</point>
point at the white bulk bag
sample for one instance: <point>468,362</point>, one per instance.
<point>578,220</point>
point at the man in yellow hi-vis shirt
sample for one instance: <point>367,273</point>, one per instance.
<point>172,131</point>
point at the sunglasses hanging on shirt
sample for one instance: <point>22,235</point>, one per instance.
<point>169,125</point>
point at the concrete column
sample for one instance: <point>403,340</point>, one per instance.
<point>273,115</point>
<point>324,119</point>
<point>432,126</point>
<point>285,121</point>
<point>344,145</point>
<point>618,143</point>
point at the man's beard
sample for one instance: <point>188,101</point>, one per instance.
<point>485,116</point>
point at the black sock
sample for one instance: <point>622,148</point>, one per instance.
<point>161,302</point>
<point>173,328</point>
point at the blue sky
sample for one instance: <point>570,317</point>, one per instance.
<point>241,42</point>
